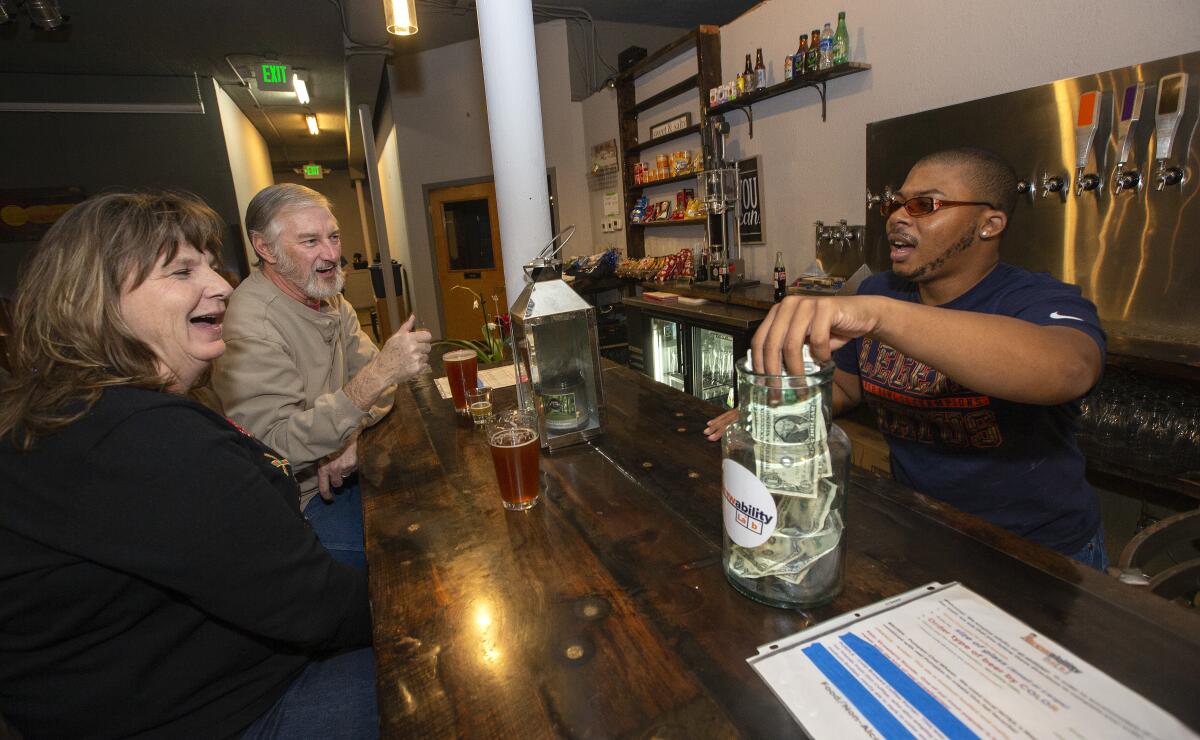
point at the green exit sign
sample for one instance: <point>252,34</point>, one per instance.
<point>313,172</point>
<point>274,77</point>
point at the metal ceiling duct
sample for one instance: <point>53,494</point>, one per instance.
<point>44,14</point>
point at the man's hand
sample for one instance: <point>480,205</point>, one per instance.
<point>332,471</point>
<point>404,355</point>
<point>716,427</point>
<point>824,324</point>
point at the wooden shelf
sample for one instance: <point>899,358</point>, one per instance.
<point>638,148</point>
<point>705,43</point>
<point>686,42</point>
<point>814,80</point>
<point>674,91</point>
<point>667,181</point>
<point>673,222</point>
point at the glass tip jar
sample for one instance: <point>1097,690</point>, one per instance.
<point>784,471</point>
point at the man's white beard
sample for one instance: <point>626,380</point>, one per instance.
<point>311,284</point>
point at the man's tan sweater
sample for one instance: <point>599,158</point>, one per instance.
<point>283,370</point>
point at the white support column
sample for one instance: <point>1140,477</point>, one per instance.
<point>510,81</point>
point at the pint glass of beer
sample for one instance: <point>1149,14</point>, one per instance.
<point>461,367</point>
<point>513,437</point>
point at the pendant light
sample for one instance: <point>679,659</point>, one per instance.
<point>400,17</point>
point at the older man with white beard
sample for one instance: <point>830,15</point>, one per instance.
<point>298,372</point>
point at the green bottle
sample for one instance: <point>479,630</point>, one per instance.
<point>841,41</point>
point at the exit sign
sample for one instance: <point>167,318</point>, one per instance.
<point>274,77</point>
<point>313,172</point>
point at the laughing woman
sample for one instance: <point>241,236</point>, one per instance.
<point>156,576</point>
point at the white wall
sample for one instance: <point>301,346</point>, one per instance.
<point>249,160</point>
<point>441,136</point>
<point>924,54</point>
<point>599,126</point>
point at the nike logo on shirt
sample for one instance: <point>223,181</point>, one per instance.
<point>1057,315</point>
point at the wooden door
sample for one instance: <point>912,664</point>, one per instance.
<point>466,237</point>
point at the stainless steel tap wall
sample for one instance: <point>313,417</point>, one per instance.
<point>1136,255</point>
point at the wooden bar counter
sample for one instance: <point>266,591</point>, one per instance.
<point>604,611</point>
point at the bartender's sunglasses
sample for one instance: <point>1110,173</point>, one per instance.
<point>923,205</point>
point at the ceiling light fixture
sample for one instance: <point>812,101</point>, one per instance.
<point>301,89</point>
<point>400,17</point>
<point>44,14</point>
<point>311,120</point>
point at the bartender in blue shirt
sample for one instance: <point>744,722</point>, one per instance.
<point>974,368</point>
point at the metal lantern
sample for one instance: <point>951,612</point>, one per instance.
<point>556,351</point>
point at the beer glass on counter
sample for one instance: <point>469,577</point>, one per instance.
<point>513,438</point>
<point>479,403</point>
<point>461,369</point>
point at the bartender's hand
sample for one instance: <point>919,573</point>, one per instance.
<point>716,427</point>
<point>332,471</point>
<point>405,355</point>
<point>824,324</point>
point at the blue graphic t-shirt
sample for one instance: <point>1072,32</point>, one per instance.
<point>1016,465</point>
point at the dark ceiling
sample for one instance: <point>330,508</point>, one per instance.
<point>216,37</point>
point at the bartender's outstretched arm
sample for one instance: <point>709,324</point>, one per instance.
<point>997,355</point>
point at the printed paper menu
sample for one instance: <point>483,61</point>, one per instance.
<point>941,661</point>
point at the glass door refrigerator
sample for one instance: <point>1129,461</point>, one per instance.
<point>712,375</point>
<point>691,348</point>
<point>668,358</point>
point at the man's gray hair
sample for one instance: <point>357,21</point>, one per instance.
<point>262,215</point>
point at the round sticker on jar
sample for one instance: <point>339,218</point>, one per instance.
<point>748,506</point>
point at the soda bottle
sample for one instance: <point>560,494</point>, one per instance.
<point>702,267</point>
<point>798,65</point>
<point>760,72</point>
<point>841,41</point>
<point>789,67</point>
<point>826,50</point>
<point>780,278</point>
<point>813,61</point>
<point>748,76</point>
<point>723,275</point>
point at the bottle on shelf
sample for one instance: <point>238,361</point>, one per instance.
<point>723,275</point>
<point>702,263</point>
<point>812,62</point>
<point>748,76</point>
<point>841,41</point>
<point>760,71</point>
<point>780,278</point>
<point>798,61</point>
<point>826,50</point>
<point>789,66</point>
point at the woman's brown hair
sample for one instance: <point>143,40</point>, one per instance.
<point>69,340</point>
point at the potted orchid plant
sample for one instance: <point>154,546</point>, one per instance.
<point>492,347</point>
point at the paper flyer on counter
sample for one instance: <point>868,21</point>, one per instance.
<point>941,661</point>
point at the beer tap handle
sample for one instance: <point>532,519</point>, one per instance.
<point>1051,184</point>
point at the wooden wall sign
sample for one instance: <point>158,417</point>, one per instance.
<point>750,226</point>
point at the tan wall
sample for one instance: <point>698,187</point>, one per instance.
<point>249,160</point>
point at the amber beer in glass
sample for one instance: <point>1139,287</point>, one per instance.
<point>461,368</point>
<point>513,438</point>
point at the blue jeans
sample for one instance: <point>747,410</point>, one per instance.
<point>338,524</point>
<point>331,699</point>
<point>1092,554</point>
